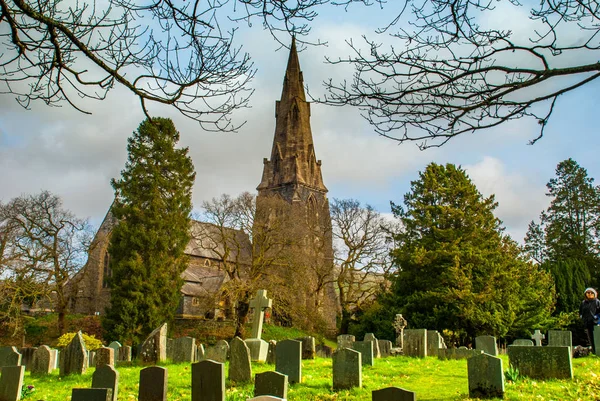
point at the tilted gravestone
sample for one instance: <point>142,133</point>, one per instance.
<point>542,362</point>
<point>487,344</point>
<point>376,351</point>
<point>154,348</point>
<point>74,358</point>
<point>560,338</point>
<point>308,347</point>
<point>345,341</point>
<point>520,342</point>
<point>240,367</point>
<point>153,384</point>
<point>184,350</point>
<point>43,361</point>
<point>91,394</point>
<point>106,376</point>
<point>271,353</point>
<point>124,354</point>
<point>104,356</point>
<point>385,347</point>
<point>486,376</point>
<point>217,352</point>
<point>258,347</point>
<point>393,394</point>
<point>347,369</point>
<point>11,382</point>
<point>288,360</point>
<point>323,351</point>
<point>208,381</point>
<point>9,356</point>
<point>457,353</point>
<point>271,383</point>
<point>366,351</point>
<point>27,356</point>
<point>415,343</point>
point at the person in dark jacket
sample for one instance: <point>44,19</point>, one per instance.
<point>588,312</point>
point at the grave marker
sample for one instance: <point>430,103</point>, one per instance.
<point>106,376</point>
<point>393,394</point>
<point>11,382</point>
<point>184,350</point>
<point>542,362</point>
<point>538,337</point>
<point>9,356</point>
<point>91,394</point>
<point>153,384</point>
<point>240,367</point>
<point>347,369</point>
<point>288,360</point>
<point>376,351</point>
<point>366,351</point>
<point>486,376</point>
<point>487,344</point>
<point>271,383</point>
<point>208,381</point>
<point>399,325</point>
<point>345,341</point>
<point>154,348</point>
<point>415,343</point>
<point>42,362</point>
<point>104,356</point>
<point>74,358</point>
<point>258,347</point>
<point>218,352</point>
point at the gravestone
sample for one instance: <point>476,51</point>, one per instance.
<point>520,342</point>
<point>393,394</point>
<point>153,384</point>
<point>288,360</point>
<point>371,337</point>
<point>124,354</point>
<point>258,347</point>
<point>366,351</point>
<point>271,352</point>
<point>91,394</point>
<point>597,339</point>
<point>240,367</point>
<point>458,353</point>
<point>347,369</point>
<point>200,354</point>
<point>217,352</point>
<point>106,376</point>
<point>74,358</point>
<point>308,347</point>
<point>271,383</point>
<point>323,351</point>
<point>345,341</point>
<point>42,362</point>
<point>9,356</point>
<point>415,343</point>
<point>560,338</point>
<point>385,347</point>
<point>208,381</point>
<point>538,337</point>
<point>266,398</point>
<point>116,346</point>
<point>27,356</point>
<point>11,382</point>
<point>170,348</point>
<point>184,350</point>
<point>91,358</point>
<point>542,362</point>
<point>154,348</point>
<point>104,356</point>
<point>434,342</point>
<point>487,344</point>
<point>486,376</point>
<point>399,325</point>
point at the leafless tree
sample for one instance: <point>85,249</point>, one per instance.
<point>448,73</point>
<point>362,248</point>
<point>47,245</point>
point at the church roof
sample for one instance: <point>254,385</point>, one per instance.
<point>201,281</point>
<point>208,241</point>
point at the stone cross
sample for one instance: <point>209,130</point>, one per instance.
<point>538,337</point>
<point>259,304</point>
<point>399,324</point>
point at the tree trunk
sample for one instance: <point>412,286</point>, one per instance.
<point>61,322</point>
<point>241,315</point>
<point>345,322</point>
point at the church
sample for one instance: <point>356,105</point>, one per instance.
<point>291,175</point>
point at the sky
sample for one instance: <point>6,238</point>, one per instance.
<point>75,155</point>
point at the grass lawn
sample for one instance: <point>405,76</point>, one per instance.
<point>430,378</point>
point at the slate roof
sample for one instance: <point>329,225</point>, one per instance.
<point>208,239</point>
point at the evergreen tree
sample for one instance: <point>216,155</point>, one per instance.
<point>152,204</point>
<point>456,270</point>
<point>571,278</point>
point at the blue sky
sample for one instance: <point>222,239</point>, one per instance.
<point>75,156</point>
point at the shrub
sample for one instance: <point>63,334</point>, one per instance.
<point>91,342</point>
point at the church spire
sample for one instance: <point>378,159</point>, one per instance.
<point>293,161</point>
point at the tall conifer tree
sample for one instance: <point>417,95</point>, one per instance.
<point>153,205</point>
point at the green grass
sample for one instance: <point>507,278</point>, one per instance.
<point>430,378</point>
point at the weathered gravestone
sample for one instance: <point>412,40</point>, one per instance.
<point>116,346</point>
<point>523,343</point>
<point>415,343</point>
<point>560,338</point>
<point>435,342</point>
<point>106,376</point>
<point>308,347</point>
<point>385,347</point>
<point>91,394</point>
<point>154,348</point>
<point>208,381</point>
<point>240,367</point>
<point>124,354</point>
<point>153,384</point>
<point>345,341</point>
<point>538,337</point>
<point>271,353</point>
<point>11,381</point>
<point>217,352</point>
<point>200,354</point>
<point>393,394</point>
<point>347,369</point>
<point>486,376</point>
<point>184,350</point>
<point>399,325</point>
<point>376,351</point>
<point>43,361</point>
<point>323,351</point>
<point>271,383</point>
<point>91,358</point>
<point>258,347</point>
<point>104,356</point>
<point>9,356</point>
<point>458,353</point>
<point>27,356</point>
<point>288,360</point>
<point>74,358</point>
<point>487,344</point>
<point>542,362</point>
<point>366,351</point>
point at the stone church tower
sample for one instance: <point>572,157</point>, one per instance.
<point>293,174</point>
